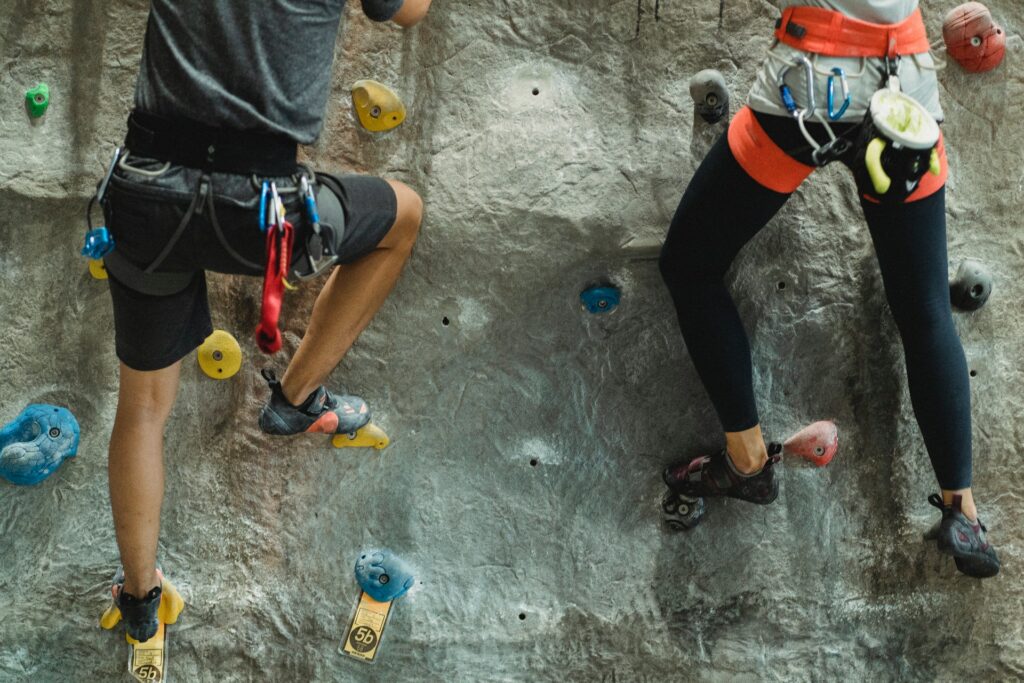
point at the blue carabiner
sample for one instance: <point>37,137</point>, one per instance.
<point>310,199</point>
<point>832,113</point>
<point>264,192</point>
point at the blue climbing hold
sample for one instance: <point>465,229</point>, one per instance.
<point>34,445</point>
<point>383,575</point>
<point>98,243</point>
<point>600,298</point>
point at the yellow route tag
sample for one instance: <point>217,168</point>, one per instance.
<point>367,628</point>
<point>146,661</point>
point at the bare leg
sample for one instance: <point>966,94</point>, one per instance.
<point>746,449</point>
<point>351,298</point>
<point>966,504</point>
<point>136,470</point>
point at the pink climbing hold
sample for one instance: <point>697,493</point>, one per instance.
<point>817,443</point>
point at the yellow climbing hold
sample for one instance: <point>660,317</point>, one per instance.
<point>97,269</point>
<point>220,356</point>
<point>377,106</point>
<point>368,436</point>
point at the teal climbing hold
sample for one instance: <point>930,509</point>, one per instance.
<point>600,298</point>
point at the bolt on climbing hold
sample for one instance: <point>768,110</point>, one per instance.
<point>220,356</point>
<point>972,285</point>
<point>37,100</point>
<point>377,106</point>
<point>710,95</point>
<point>602,298</point>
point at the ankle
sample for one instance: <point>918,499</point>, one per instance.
<point>140,589</point>
<point>294,393</point>
<point>747,463</point>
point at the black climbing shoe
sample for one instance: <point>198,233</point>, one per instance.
<point>322,412</point>
<point>713,475</point>
<point>139,614</point>
<point>965,540</point>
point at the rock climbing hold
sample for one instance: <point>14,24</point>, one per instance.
<point>377,106</point>
<point>98,243</point>
<point>383,575</point>
<point>97,269</point>
<point>972,285</point>
<point>973,38</point>
<point>220,356</point>
<point>600,298</point>
<point>817,443</point>
<point>36,442</point>
<point>367,436</point>
<point>37,100</point>
<point>710,95</point>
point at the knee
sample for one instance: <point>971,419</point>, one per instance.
<point>684,265</point>
<point>924,322</point>
<point>147,398</point>
<point>408,217</point>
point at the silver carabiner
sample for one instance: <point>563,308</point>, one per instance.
<point>788,100</point>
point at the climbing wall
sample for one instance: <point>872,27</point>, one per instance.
<point>551,142</point>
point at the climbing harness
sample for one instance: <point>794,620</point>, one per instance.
<point>822,154</point>
<point>833,34</point>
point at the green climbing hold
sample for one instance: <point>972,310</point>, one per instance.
<point>37,100</point>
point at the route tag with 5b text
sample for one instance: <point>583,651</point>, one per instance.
<point>367,628</point>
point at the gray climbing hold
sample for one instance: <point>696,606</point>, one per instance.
<point>971,287</point>
<point>710,95</point>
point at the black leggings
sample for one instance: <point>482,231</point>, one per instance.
<point>723,208</point>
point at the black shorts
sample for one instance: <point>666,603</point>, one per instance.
<point>144,209</point>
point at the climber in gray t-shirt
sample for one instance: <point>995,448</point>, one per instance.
<point>244,65</point>
<point>226,91</point>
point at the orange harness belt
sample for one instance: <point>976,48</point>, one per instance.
<point>830,33</point>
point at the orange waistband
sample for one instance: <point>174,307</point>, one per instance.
<point>826,32</point>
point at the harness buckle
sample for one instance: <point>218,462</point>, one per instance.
<point>796,30</point>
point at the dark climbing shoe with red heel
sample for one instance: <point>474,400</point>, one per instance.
<point>714,475</point>
<point>322,412</point>
<point>964,540</point>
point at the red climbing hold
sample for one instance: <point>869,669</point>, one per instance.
<point>973,38</point>
<point>817,443</point>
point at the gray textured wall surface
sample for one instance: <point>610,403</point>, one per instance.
<point>529,197</point>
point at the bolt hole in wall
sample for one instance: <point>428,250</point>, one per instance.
<point>780,286</point>
<point>974,373</point>
<point>522,617</point>
<point>445,321</point>
<point>536,91</point>
<point>533,462</point>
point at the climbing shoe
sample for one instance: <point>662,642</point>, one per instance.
<point>965,540</point>
<point>140,615</point>
<point>322,412</point>
<point>715,475</point>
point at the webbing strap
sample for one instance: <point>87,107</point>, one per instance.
<point>827,32</point>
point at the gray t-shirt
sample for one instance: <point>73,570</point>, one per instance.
<point>875,11</point>
<point>244,65</point>
<point>917,72</point>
